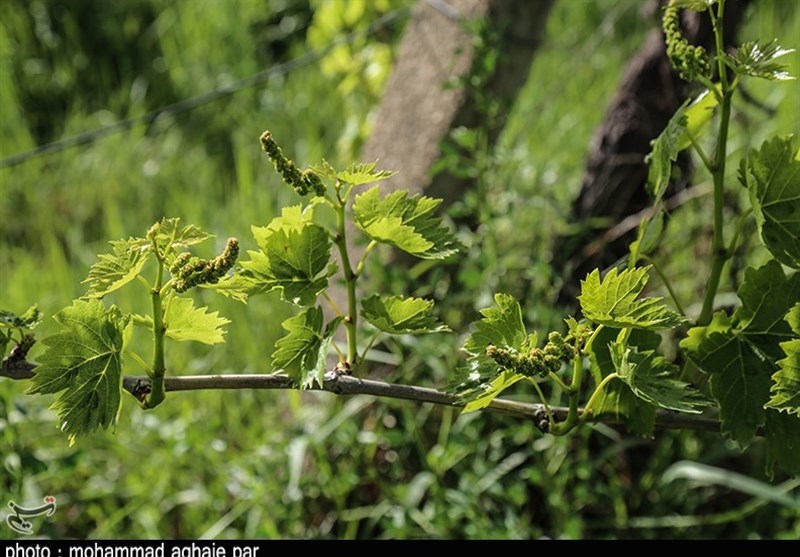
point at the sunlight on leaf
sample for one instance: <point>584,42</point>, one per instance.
<point>116,269</point>
<point>755,60</point>
<point>405,222</point>
<point>613,301</point>
<point>85,362</point>
<point>397,315</point>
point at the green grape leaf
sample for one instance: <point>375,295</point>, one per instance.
<point>116,269</point>
<point>785,388</point>
<point>28,320</point>
<point>171,237</point>
<point>612,301</point>
<point>694,5</point>
<point>783,442</point>
<point>617,401</point>
<point>502,327</point>
<point>699,114</point>
<point>302,353</point>
<point>652,378</point>
<point>186,322</point>
<point>618,404</point>
<point>405,222</point>
<point>397,315</point>
<point>324,170</point>
<point>293,259</point>
<point>756,60</point>
<point>740,353</point>
<point>236,286</point>
<point>600,360</point>
<point>772,177</point>
<point>84,361</point>
<point>665,151</point>
<point>292,218</point>
<point>687,122</point>
<point>486,395</point>
<point>363,173</point>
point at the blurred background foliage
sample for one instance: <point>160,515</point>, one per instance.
<point>286,464</point>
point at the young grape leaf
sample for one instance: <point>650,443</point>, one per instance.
<point>618,403</point>
<point>665,151</point>
<point>324,170</point>
<point>186,322</point>
<point>292,218</point>
<point>786,381</point>
<point>116,269</point>
<point>652,378</point>
<point>783,442</point>
<point>612,302</point>
<point>84,361</point>
<point>617,400</point>
<point>741,352</point>
<point>171,237</point>
<point>756,60</point>
<point>687,122</point>
<point>405,222</point>
<point>28,320</point>
<point>302,352</point>
<point>772,177</point>
<point>398,316</point>
<point>699,114</point>
<point>292,259</point>
<point>502,327</point>
<point>363,173</point>
<point>236,286</point>
<point>484,397</point>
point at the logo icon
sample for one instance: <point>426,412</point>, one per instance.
<point>17,521</point>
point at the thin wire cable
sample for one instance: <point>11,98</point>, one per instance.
<point>204,98</point>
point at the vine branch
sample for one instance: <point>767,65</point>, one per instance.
<point>346,385</point>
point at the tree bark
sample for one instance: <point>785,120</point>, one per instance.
<point>613,187</point>
<point>425,97</point>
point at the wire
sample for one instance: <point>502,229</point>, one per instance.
<point>204,98</point>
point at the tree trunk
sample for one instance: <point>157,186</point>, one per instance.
<point>425,98</point>
<point>614,184</point>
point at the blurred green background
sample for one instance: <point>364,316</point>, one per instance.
<point>286,464</point>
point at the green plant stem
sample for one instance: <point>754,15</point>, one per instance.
<point>588,346</point>
<point>351,319</point>
<point>666,282</point>
<point>139,360</point>
<point>558,381</point>
<point>575,390</point>
<point>332,304</point>
<point>587,410</point>
<point>720,254</point>
<point>738,230</point>
<point>156,395</point>
<point>367,250</point>
<point>371,342</point>
<point>700,152</point>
